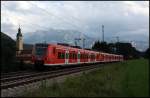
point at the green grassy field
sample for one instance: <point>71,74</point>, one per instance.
<point>123,79</point>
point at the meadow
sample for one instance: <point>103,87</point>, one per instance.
<point>123,79</point>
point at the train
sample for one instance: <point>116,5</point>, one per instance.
<point>60,55</point>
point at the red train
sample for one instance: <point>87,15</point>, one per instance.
<point>54,54</point>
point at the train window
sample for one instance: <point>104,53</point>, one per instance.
<point>67,55</point>
<point>40,50</point>
<point>54,49</point>
<point>59,55</point>
<point>83,56</point>
<point>74,55</point>
<point>70,55</point>
<point>78,56</point>
<point>62,55</point>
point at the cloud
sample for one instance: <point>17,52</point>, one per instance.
<point>121,18</point>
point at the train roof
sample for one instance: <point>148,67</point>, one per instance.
<point>65,47</point>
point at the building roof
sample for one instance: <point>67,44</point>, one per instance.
<point>19,32</point>
<point>27,46</point>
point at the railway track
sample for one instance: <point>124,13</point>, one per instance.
<point>17,80</point>
<point>18,73</point>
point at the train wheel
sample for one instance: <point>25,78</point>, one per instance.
<point>39,66</point>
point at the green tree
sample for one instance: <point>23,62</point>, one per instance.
<point>101,46</point>
<point>124,49</point>
<point>147,53</point>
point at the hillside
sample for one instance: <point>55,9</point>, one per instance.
<point>8,46</point>
<point>8,51</point>
<point>57,36</point>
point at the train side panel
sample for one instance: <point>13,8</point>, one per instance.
<point>61,55</point>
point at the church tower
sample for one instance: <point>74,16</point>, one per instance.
<point>19,41</point>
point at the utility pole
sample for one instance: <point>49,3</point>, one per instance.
<point>103,32</point>
<point>117,37</point>
<point>117,45</point>
<point>77,40</point>
<point>75,43</point>
<point>83,43</point>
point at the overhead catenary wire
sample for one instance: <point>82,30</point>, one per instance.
<point>25,21</point>
<point>61,19</point>
<point>51,14</point>
<point>48,13</point>
<point>30,23</point>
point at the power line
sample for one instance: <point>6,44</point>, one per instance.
<point>117,37</point>
<point>50,14</point>
<point>61,19</point>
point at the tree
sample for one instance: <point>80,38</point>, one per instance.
<point>146,54</point>
<point>127,50</point>
<point>124,49</point>
<point>101,46</point>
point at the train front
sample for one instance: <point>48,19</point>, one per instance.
<point>39,55</point>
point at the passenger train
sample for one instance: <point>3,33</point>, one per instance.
<point>60,55</point>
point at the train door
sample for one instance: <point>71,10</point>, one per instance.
<point>66,57</point>
<point>78,57</point>
<point>95,57</point>
<point>89,56</point>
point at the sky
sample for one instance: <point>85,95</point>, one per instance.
<point>127,19</point>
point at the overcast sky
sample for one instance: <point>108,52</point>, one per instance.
<point>127,19</point>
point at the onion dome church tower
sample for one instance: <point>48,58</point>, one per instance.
<point>19,41</point>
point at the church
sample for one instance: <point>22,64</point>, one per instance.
<point>19,42</point>
<point>23,51</point>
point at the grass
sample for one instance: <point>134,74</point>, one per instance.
<point>123,79</point>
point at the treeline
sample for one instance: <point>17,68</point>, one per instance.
<point>8,55</point>
<point>125,49</point>
<point>147,53</point>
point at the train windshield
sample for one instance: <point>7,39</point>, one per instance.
<point>40,50</point>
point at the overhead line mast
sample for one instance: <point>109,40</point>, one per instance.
<point>103,32</point>
<point>117,37</point>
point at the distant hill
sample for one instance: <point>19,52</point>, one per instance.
<point>57,36</point>
<point>8,48</point>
